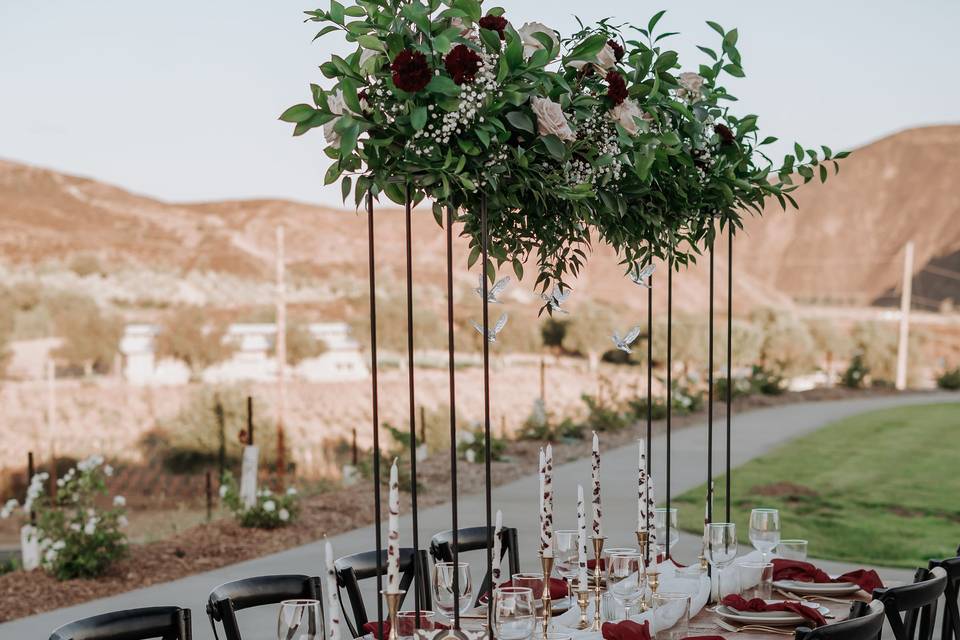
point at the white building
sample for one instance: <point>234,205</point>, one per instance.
<point>252,359</point>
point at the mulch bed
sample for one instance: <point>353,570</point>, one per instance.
<point>223,542</point>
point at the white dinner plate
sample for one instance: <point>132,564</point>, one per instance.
<point>776,618</point>
<point>817,588</point>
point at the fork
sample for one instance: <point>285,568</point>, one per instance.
<point>812,597</point>
<point>753,627</point>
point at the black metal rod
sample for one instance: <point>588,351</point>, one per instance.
<point>669,386</point>
<point>710,385</point>
<point>649,452</point>
<point>376,412</point>
<point>31,471</point>
<point>413,407</point>
<point>485,240</point>
<point>729,355</point>
<point>453,424</point>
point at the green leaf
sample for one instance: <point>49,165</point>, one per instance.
<point>707,50</point>
<point>514,52</point>
<point>823,173</point>
<point>716,27</point>
<point>734,70</point>
<point>798,151</point>
<point>345,185</point>
<point>336,11</point>
<point>418,118</point>
<point>491,39</point>
<point>474,254</point>
<point>654,20</point>
<point>441,43</point>
<point>589,48</point>
<point>417,14</point>
<point>518,268</point>
<point>355,12</point>
<point>554,146</point>
<point>372,43</point>
<point>730,39</point>
<point>298,113</point>
<point>332,173</point>
<point>827,152</point>
<point>469,7</point>
<point>666,60</point>
<point>443,85</point>
<point>349,88</point>
<point>520,120</point>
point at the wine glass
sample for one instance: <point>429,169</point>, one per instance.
<point>764,531</point>
<point>661,518</point>
<point>623,576</point>
<point>444,595</point>
<point>721,550</point>
<point>300,620</point>
<point>567,555</point>
<point>513,613</point>
<point>792,549</point>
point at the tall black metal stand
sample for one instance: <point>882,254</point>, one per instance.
<point>669,387</point>
<point>376,413</point>
<point>453,423</point>
<point>729,389</point>
<point>413,406</point>
<point>649,452</point>
<point>710,385</point>
<point>485,240</point>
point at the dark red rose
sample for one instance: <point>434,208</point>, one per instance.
<point>462,63</point>
<point>726,136</point>
<point>410,71</point>
<point>494,23</point>
<point>616,88</point>
<point>618,49</point>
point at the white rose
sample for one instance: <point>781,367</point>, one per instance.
<point>691,83</point>
<point>465,32</point>
<point>90,528</point>
<point>471,455</point>
<point>550,119</point>
<point>605,60</point>
<point>122,522</point>
<point>269,506</point>
<point>223,490</point>
<point>75,526</point>
<point>336,105</point>
<point>119,501</point>
<point>58,545</point>
<point>292,491</point>
<point>626,113</point>
<point>284,515</point>
<point>108,470</point>
<point>531,44</point>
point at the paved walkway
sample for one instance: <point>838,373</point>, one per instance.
<point>754,433</point>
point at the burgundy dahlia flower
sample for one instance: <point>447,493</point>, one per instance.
<point>618,49</point>
<point>616,88</point>
<point>462,64</point>
<point>726,135</point>
<point>410,71</point>
<point>494,23</point>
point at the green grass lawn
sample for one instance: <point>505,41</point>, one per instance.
<point>880,488</point>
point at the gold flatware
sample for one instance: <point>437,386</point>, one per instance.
<point>757,628</point>
<point>812,597</point>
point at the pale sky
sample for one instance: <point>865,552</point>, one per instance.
<point>179,99</point>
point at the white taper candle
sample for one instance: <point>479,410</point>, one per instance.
<point>333,604</point>
<point>393,533</point>
<point>595,473</point>
<point>581,541</point>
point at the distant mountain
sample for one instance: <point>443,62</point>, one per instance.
<point>843,245</point>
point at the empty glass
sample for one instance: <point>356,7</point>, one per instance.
<point>756,579</point>
<point>623,576</point>
<point>532,581</point>
<point>764,531</point>
<point>606,553</point>
<point>513,613</point>
<point>300,620</point>
<point>792,549</point>
<point>660,521</point>
<point>721,551</point>
<point>672,613</point>
<point>566,554</point>
<point>444,595</point>
<point>407,622</point>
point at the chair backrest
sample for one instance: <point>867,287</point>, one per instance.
<point>363,566</point>
<point>951,593</point>
<point>168,623</point>
<point>917,601</point>
<point>228,598</point>
<point>864,623</point>
<point>475,539</point>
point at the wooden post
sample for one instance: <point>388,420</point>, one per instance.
<point>353,449</point>
<point>905,293</point>
<point>543,382</point>
<point>250,420</point>
<point>31,471</point>
<point>503,426</point>
<point>209,496</point>
<point>222,432</point>
<point>423,426</point>
<point>281,353</point>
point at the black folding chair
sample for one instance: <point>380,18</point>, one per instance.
<point>227,599</point>
<point>951,612</point>
<point>917,602</point>
<point>167,623</point>
<point>363,566</point>
<point>865,623</point>
<point>475,539</point>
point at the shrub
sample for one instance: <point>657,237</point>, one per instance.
<point>602,416</point>
<point>86,264</point>
<point>470,445</point>
<point>638,409</point>
<point>271,510</point>
<point>766,382</point>
<point>78,538</point>
<point>301,345</point>
<point>90,338</point>
<point>949,379</point>
<point>536,426</point>
<point>188,335</point>
<point>741,387</point>
<point>856,373</point>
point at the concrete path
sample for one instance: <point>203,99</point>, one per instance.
<point>754,433</point>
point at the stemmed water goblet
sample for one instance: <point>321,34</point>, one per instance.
<point>764,531</point>
<point>444,595</point>
<point>623,577</point>
<point>661,517</point>
<point>566,554</point>
<point>721,549</point>
<point>514,613</point>
<point>300,620</point>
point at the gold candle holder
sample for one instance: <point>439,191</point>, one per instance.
<point>643,539</point>
<point>583,599</point>
<point>547,563</point>
<point>393,606</point>
<point>597,552</point>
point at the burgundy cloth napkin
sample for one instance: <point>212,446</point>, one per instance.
<point>738,602</point>
<point>372,627</point>
<point>704,638</point>
<point>866,579</point>
<point>626,630</point>
<point>558,590</point>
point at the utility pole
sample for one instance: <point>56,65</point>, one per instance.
<point>905,293</point>
<point>281,353</point>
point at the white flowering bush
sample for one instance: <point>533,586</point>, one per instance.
<point>271,511</point>
<point>79,537</point>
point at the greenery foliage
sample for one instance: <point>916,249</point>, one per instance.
<point>949,379</point>
<point>188,334</point>
<point>270,511</point>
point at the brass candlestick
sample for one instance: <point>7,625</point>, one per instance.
<point>393,606</point>
<point>597,552</point>
<point>583,599</point>
<point>547,563</point>
<point>643,539</point>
